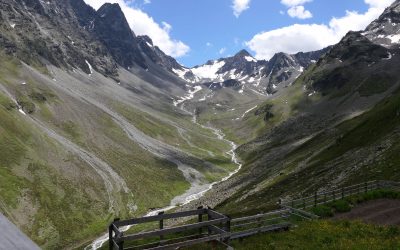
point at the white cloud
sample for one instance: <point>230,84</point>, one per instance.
<point>239,6</point>
<point>208,44</point>
<point>296,8</point>
<point>308,37</point>
<point>166,26</point>
<point>292,3</point>
<point>147,2</point>
<point>143,24</point>
<point>299,12</point>
<point>222,51</point>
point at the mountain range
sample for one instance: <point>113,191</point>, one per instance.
<point>98,122</point>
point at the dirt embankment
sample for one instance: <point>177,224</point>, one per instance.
<point>381,212</point>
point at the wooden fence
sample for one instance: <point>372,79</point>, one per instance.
<point>319,198</point>
<point>212,226</point>
<point>260,223</point>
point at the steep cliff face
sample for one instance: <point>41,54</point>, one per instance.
<point>111,28</point>
<point>50,32</point>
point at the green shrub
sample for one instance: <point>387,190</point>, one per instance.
<point>341,206</point>
<point>323,211</point>
<point>39,97</point>
<point>26,105</point>
<point>376,194</point>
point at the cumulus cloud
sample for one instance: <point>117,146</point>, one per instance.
<point>299,12</point>
<point>143,24</point>
<point>222,51</point>
<point>309,37</point>
<point>292,3</point>
<point>239,6</point>
<point>296,8</point>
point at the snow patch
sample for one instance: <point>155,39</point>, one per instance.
<point>247,111</point>
<point>394,38</point>
<point>208,71</point>
<point>388,57</point>
<point>250,59</point>
<point>12,25</point>
<point>90,67</point>
<point>189,95</point>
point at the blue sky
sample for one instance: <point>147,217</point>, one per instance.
<point>195,31</point>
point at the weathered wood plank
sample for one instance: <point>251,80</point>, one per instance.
<point>236,220</point>
<point>254,231</point>
<point>172,230</point>
<point>215,214</point>
<point>260,221</point>
<point>160,217</point>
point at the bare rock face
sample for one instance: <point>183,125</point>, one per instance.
<point>70,34</point>
<point>112,29</point>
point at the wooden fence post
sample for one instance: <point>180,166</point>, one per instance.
<point>200,219</point>
<point>228,229</point>
<point>121,245</point>
<point>342,193</point>
<point>209,218</point>
<point>110,237</point>
<point>161,227</point>
<point>304,204</point>
<point>315,199</point>
<point>366,187</point>
<point>334,195</point>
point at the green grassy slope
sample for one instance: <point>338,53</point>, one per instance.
<point>49,192</point>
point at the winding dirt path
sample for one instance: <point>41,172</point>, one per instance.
<point>380,212</point>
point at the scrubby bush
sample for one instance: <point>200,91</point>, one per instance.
<point>341,206</point>
<point>26,105</point>
<point>323,211</point>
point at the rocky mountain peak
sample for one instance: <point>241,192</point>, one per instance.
<point>146,39</point>
<point>385,30</point>
<point>243,53</point>
<point>112,28</point>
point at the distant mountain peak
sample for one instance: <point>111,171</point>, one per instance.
<point>243,53</point>
<point>385,30</point>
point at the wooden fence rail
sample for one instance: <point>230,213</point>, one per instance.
<point>319,198</point>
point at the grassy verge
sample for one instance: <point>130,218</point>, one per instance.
<point>326,235</point>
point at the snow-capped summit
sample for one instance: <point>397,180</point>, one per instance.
<point>385,30</point>
<point>243,69</point>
